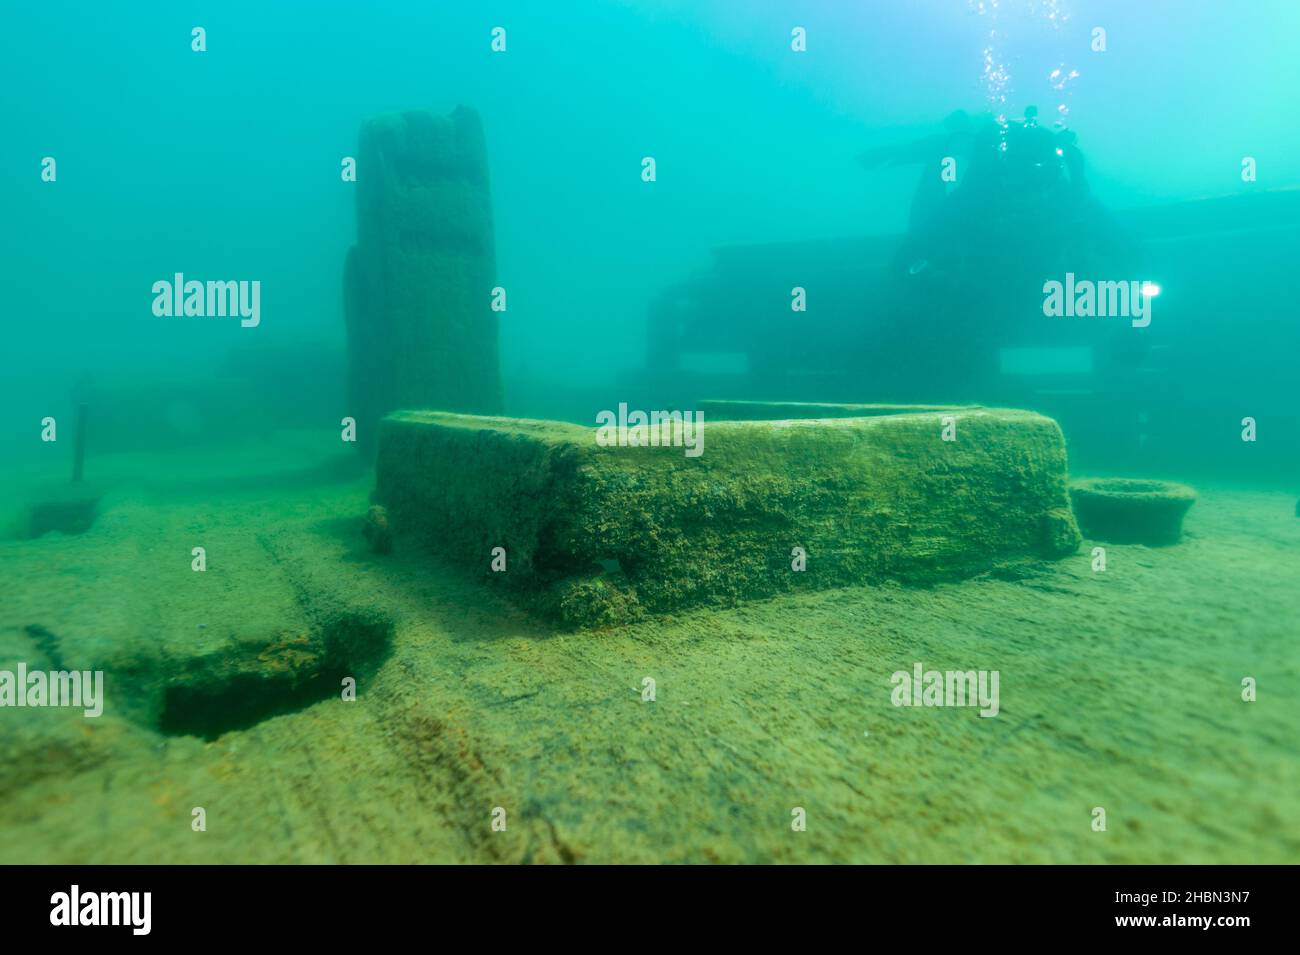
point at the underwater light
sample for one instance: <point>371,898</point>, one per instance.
<point>1150,289</point>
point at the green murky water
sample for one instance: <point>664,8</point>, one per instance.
<point>957,203</point>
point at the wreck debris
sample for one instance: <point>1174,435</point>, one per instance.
<point>1128,511</point>
<point>377,530</point>
<point>79,455</point>
<point>72,510</point>
<point>418,283</point>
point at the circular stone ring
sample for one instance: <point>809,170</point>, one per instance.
<point>1128,511</point>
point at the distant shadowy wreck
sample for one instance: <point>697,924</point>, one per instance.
<point>418,282</point>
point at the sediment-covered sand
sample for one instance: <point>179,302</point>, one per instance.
<point>1119,690</point>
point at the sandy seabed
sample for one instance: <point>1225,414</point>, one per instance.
<point>1120,690</point>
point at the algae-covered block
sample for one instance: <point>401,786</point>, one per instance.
<point>782,410</point>
<point>596,535</point>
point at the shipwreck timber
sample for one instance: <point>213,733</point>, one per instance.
<point>418,283</point>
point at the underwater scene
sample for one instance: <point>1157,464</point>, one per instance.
<point>650,431</point>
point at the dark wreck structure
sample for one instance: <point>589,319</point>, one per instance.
<point>418,283</point>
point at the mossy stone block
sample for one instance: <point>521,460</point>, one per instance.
<point>595,535</point>
<point>792,410</point>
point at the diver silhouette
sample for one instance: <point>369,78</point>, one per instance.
<point>967,276</point>
<point>1021,194</point>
